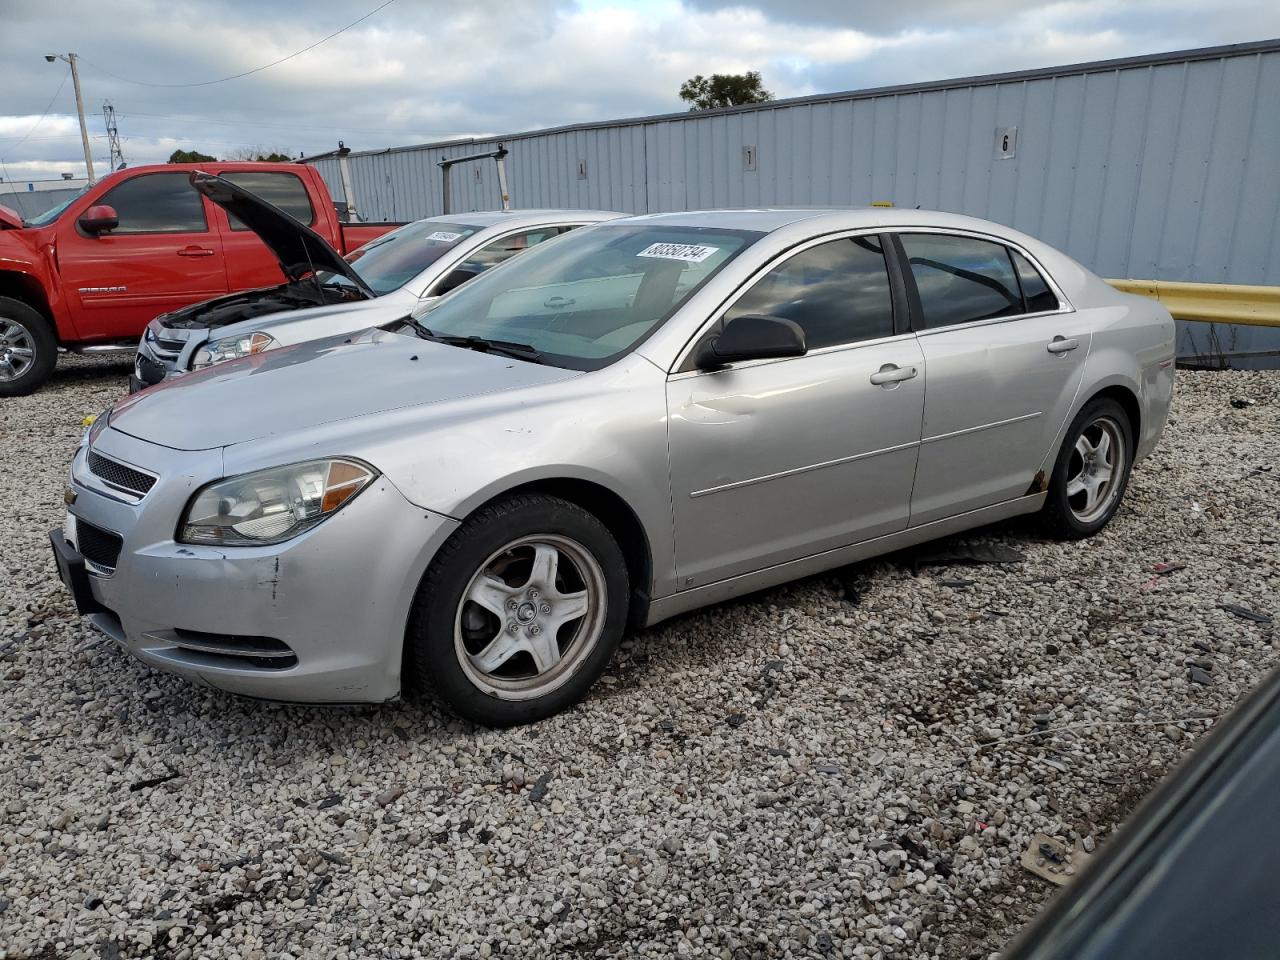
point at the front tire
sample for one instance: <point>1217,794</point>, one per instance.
<point>28,348</point>
<point>1091,472</point>
<point>519,612</point>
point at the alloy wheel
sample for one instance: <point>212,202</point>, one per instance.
<point>17,349</point>
<point>1096,470</point>
<point>529,616</point>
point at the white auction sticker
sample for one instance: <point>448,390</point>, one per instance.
<point>690,252</point>
<point>444,236</point>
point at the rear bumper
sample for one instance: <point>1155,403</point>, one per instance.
<point>317,619</point>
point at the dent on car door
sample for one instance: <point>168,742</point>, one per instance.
<point>163,255</point>
<point>1005,360</point>
<point>776,460</point>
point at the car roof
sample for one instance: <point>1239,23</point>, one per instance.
<point>491,218</point>
<point>770,219</point>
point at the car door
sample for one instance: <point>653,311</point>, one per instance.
<point>1005,354</point>
<point>778,459</point>
<point>250,263</point>
<point>163,255</point>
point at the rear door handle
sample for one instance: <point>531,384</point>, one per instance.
<point>195,252</point>
<point>1062,345</point>
<point>891,373</point>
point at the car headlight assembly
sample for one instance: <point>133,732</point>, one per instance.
<point>232,348</point>
<point>271,506</point>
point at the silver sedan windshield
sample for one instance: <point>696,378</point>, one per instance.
<point>586,299</point>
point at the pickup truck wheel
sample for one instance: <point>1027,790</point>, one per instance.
<point>28,348</point>
<point>519,612</point>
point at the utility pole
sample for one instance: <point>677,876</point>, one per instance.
<point>113,136</point>
<point>84,130</point>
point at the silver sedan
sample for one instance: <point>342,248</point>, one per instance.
<point>628,422</point>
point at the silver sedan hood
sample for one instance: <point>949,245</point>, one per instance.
<point>321,381</point>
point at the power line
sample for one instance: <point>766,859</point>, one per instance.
<point>47,108</point>
<point>254,123</point>
<point>237,76</point>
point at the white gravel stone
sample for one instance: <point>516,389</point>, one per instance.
<point>887,763</point>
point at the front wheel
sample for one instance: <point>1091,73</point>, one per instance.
<point>28,348</point>
<point>519,613</point>
<point>1092,471</point>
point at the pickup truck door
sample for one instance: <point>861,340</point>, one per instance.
<point>250,263</point>
<point>164,255</point>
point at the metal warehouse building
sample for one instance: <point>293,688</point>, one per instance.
<point>1159,167</point>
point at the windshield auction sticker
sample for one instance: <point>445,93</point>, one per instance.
<point>689,252</point>
<point>444,236</point>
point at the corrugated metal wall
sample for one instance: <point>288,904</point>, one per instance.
<point>1161,167</point>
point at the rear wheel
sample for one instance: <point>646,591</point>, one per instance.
<point>28,348</point>
<point>519,613</point>
<point>1092,471</point>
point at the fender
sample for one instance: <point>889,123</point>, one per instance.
<point>29,272</point>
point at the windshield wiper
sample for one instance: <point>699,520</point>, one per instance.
<point>509,348</point>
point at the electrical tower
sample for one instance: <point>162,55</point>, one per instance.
<point>113,135</point>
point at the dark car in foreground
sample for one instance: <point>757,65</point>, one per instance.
<point>1193,875</point>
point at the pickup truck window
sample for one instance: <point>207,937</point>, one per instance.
<point>157,203</point>
<point>52,214</point>
<point>283,190</point>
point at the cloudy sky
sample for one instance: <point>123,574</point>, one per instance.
<point>420,70</point>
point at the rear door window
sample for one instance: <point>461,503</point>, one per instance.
<point>157,203</point>
<point>283,190</point>
<point>838,292</point>
<point>961,279</point>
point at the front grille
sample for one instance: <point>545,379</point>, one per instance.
<point>100,547</point>
<point>170,347</point>
<point>120,476</point>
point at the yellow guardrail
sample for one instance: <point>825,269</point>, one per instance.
<point>1211,302</point>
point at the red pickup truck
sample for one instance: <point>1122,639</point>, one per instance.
<point>90,274</point>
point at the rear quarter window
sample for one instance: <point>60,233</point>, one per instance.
<point>1035,291</point>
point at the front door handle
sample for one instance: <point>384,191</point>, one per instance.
<point>194,251</point>
<point>1062,345</point>
<point>891,373</point>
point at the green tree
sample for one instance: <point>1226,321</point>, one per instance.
<point>724,90</point>
<point>190,156</point>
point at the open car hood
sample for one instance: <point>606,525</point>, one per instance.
<point>299,249</point>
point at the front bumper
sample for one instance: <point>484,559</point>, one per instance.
<point>164,352</point>
<point>317,619</point>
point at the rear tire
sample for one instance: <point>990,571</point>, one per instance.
<point>1092,471</point>
<point>28,348</point>
<point>519,612</point>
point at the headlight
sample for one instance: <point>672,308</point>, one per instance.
<point>232,348</point>
<point>272,505</point>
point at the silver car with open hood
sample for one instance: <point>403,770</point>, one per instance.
<point>327,294</point>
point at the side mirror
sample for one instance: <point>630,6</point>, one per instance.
<point>98,219</point>
<point>455,279</point>
<point>752,337</point>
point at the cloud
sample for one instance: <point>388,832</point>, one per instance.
<point>429,69</point>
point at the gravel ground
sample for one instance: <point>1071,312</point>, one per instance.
<point>847,766</point>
